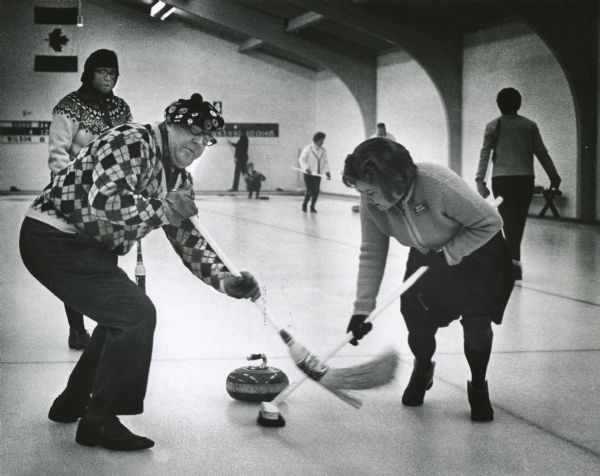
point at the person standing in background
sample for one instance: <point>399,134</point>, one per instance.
<point>77,120</point>
<point>514,140</point>
<point>241,159</point>
<point>382,132</point>
<point>313,162</point>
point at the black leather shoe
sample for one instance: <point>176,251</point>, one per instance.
<point>109,433</point>
<point>67,410</point>
<point>304,208</point>
<point>313,210</point>
<point>479,399</point>
<point>78,339</point>
<point>417,386</point>
<point>517,271</point>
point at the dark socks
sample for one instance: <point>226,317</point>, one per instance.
<point>478,362</point>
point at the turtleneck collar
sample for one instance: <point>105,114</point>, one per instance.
<point>90,94</point>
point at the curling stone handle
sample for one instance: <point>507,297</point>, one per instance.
<point>258,356</point>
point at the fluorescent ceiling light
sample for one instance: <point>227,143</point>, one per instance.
<point>168,13</point>
<point>157,7</point>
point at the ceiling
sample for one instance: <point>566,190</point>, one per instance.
<point>348,29</point>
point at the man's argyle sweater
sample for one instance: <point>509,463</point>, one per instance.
<point>112,193</point>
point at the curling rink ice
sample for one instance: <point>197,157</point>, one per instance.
<point>544,373</point>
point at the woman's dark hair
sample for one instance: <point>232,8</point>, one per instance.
<point>382,162</point>
<point>508,100</point>
<point>318,136</point>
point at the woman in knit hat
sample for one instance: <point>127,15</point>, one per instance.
<point>78,119</point>
<point>127,182</point>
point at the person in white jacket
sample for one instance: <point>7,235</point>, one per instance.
<point>77,120</point>
<point>313,162</point>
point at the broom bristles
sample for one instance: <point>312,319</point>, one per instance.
<point>375,373</point>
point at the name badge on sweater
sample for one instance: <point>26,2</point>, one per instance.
<point>420,208</point>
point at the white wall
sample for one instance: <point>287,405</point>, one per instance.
<point>410,106</point>
<point>510,55</point>
<point>159,62</point>
<point>338,116</point>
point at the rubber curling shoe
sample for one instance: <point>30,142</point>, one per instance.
<point>109,433</point>
<point>67,410</point>
<point>417,386</point>
<point>78,339</point>
<point>479,399</point>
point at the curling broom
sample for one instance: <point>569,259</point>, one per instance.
<point>298,169</point>
<point>349,378</point>
<point>369,375</point>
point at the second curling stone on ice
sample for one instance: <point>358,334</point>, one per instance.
<point>256,383</point>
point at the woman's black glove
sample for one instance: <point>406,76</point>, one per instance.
<point>436,259</point>
<point>358,327</point>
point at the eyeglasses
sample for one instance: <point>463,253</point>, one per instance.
<point>201,135</point>
<point>106,72</point>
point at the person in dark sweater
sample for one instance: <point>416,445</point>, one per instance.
<point>127,182</point>
<point>513,140</point>
<point>254,180</point>
<point>449,228</point>
<point>240,157</point>
<point>77,119</point>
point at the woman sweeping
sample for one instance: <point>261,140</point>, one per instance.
<point>449,228</point>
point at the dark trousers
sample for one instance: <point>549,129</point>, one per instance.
<point>84,275</point>
<point>517,192</point>
<point>75,318</point>
<point>254,188</point>
<point>313,187</point>
<point>240,168</point>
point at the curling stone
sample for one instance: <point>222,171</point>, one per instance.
<point>256,383</point>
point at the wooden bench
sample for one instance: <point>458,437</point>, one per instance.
<point>549,195</point>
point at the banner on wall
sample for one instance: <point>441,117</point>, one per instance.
<point>24,132</point>
<point>55,26</point>
<point>253,129</point>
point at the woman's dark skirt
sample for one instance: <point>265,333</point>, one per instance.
<point>479,286</point>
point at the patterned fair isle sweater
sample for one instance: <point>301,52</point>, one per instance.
<point>77,120</point>
<point>112,193</point>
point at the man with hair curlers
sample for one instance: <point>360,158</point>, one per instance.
<point>449,228</point>
<point>124,184</point>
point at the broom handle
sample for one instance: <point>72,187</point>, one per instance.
<point>300,170</point>
<point>382,306</point>
<point>226,261</point>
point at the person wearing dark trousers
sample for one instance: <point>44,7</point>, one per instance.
<point>77,119</point>
<point>511,141</point>
<point>450,229</point>
<point>241,159</point>
<point>254,180</point>
<point>314,164</point>
<point>124,184</point>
